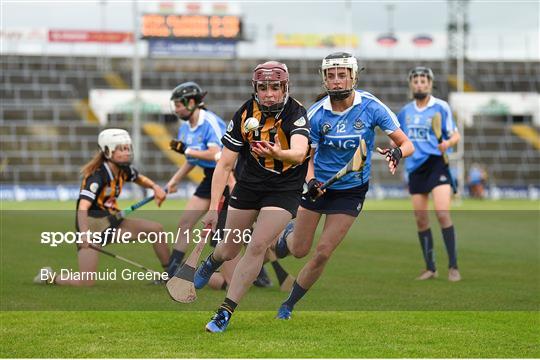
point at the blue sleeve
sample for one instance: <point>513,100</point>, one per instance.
<point>212,136</point>
<point>402,116</point>
<point>385,118</point>
<point>180,131</point>
<point>314,131</point>
<point>449,127</point>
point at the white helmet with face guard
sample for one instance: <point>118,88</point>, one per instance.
<point>339,60</point>
<point>109,139</point>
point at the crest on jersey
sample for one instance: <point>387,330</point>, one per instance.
<point>326,128</point>
<point>230,126</point>
<point>300,122</point>
<point>358,124</point>
<point>94,187</point>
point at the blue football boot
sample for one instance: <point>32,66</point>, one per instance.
<point>203,274</point>
<point>219,321</point>
<point>284,312</point>
<point>281,246</point>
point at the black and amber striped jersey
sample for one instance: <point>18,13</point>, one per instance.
<point>102,188</point>
<point>267,174</point>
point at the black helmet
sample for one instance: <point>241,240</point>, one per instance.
<point>189,90</point>
<point>421,71</point>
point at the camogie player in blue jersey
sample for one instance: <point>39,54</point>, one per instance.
<point>199,139</point>
<point>338,123</point>
<point>428,122</point>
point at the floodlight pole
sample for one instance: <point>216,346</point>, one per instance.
<point>457,48</point>
<point>136,79</point>
<point>350,30</point>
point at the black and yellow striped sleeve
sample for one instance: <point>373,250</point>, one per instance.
<point>233,138</point>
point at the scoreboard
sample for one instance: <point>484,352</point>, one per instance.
<point>173,26</point>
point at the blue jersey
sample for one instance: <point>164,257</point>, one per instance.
<point>208,132</point>
<point>336,136</point>
<point>416,123</point>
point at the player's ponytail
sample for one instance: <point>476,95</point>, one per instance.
<point>90,167</point>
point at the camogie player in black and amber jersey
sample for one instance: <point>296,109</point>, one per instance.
<point>103,179</point>
<point>269,188</point>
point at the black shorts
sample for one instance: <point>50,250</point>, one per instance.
<point>204,190</point>
<point>433,172</point>
<point>346,201</point>
<point>245,198</point>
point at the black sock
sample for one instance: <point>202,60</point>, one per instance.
<point>280,272</point>
<point>228,305</point>
<point>174,261</point>
<point>296,294</point>
<point>449,237</point>
<point>426,243</point>
<point>214,264</point>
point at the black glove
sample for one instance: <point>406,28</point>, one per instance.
<point>313,187</point>
<point>177,146</point>
<point>393,155</point>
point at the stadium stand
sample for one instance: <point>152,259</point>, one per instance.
<point>47,132</point>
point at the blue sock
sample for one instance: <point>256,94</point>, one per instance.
<point>296,294</point>
<point>449,237</point>
<point>426,242</point>
<point>174,261</point>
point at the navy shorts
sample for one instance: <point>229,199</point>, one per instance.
<point>204,190</point>
<point>245,198</point>
<point>433,172</point>
<point>346,201</point>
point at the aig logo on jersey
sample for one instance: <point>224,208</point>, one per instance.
<point>418,133</point>
<point>342,141</point>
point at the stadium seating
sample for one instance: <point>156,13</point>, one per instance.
<point>45,139</point>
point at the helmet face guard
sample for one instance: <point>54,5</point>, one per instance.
<point>271,72</point>
<point>420,71</point>
<point>335,61</point>
<point>109,139</point>
<point>184,92</point>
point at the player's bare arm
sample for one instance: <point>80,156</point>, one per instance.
<point>178,176</point>
<point>159,193</point>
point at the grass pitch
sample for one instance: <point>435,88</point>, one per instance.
<point>365,305</point>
